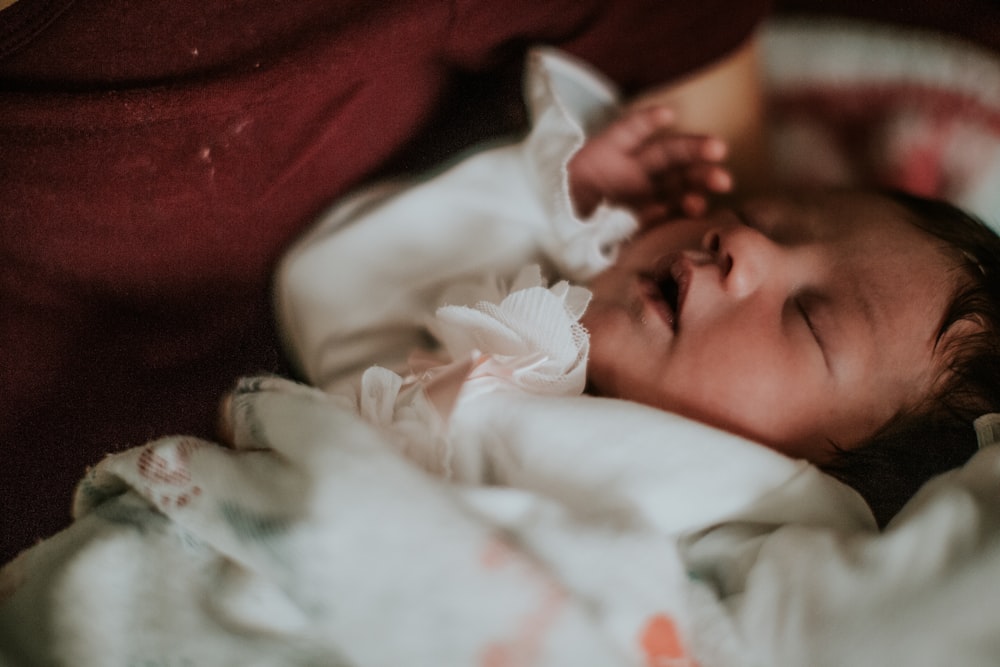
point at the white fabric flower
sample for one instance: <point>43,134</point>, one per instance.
<point>524,337</point>
<point>527,337</point>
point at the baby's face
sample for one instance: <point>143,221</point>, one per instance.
<point>793,321</point>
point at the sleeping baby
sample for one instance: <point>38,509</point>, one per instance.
<point>855,330</point>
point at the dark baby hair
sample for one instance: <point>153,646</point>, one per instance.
<point>937,435</point>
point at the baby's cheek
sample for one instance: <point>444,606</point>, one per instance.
<point>609,374</point>
<point>601,379</point>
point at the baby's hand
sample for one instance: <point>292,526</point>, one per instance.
<point>638,162</point>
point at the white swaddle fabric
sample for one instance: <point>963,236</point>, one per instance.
<point>987,429</point>
<point>313,541</point>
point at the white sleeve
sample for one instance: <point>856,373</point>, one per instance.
<point>359,287</point>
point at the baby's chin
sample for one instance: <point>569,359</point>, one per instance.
<point>606,384</point>
<point>592,389</point>
<point>609,383</point>
<point>603,379</point>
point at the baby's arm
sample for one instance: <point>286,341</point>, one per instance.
<point>359,288</point>
<point>639,162</point>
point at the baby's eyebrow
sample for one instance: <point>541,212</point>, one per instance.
<point>867,309</point>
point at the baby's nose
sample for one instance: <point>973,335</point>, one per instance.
<point>712,244</point>
<point>744,255</point>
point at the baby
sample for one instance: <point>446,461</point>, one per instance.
<point>856,330</point>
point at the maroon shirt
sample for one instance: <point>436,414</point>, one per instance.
<point>156,157</point>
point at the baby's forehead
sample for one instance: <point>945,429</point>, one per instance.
<point>892,285</point>
<point>906,276</point>
<point>870,228</point>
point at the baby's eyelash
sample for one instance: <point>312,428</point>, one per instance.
<point>804,313</point>
<point>802,304</point>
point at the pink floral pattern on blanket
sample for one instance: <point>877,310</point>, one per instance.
<point>166,471</point>
<point>525,645</point>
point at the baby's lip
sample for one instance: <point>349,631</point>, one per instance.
<point>666,287</point>
<point>653,296</point>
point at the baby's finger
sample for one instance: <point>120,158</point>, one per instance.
<point>694,205</point>
<point>653,214</point>
<point>636,128</point>
<point>675,151</point>
<point>703,177</point>
<point>709,177</point>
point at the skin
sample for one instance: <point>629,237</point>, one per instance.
<point>804,320</point>
<point>724,100</point>
<point>641,163</point>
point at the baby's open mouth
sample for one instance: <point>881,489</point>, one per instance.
<point>669,292</point>
<point>664,293</point>
<point>666,286</point>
